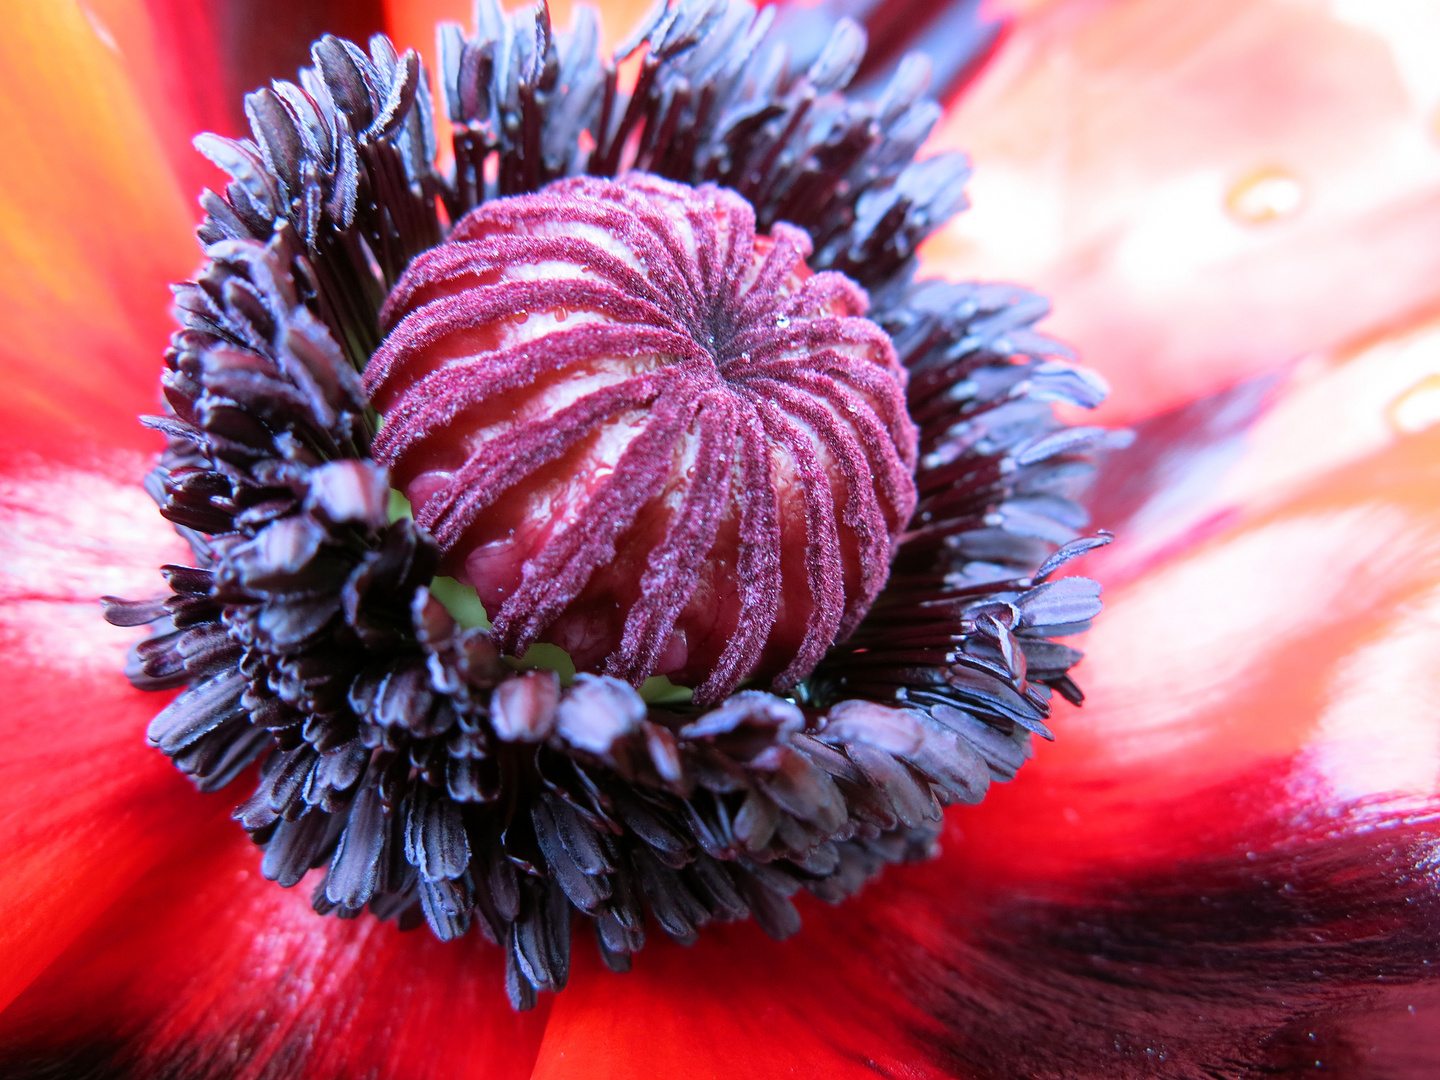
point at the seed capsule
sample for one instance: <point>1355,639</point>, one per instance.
<point>691,456</point>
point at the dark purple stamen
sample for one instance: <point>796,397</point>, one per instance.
<point>646,433</point>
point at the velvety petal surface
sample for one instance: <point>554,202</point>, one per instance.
<point>85,806</point>
<point>1205,190</point>
<point>92,226</point>
<point>206,970</point>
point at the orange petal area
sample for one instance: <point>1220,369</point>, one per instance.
<point>1204,190</point>
<point>411,23</point>
<point>204,962</point>
<point>85,806</point>
<point>92,227</point>
<point>170,54</point>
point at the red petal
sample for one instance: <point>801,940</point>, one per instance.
<point>1108,139</point>
<point>85,806</point>
<point>205,963</point>
<point>260,40</point>
<point>92,227</point>
<point>1231,936</point>
<point>738,1005</point>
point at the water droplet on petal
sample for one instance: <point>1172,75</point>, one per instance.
<point>1265,195</point>
<point>782,322</point>
<point>1417,408</point>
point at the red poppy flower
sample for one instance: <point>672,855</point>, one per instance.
<point>1224,866</point>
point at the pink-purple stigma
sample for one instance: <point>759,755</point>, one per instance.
<point>646,434</point>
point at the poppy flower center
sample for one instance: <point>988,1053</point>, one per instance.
<point>643,432</point>
<point>647,434</point>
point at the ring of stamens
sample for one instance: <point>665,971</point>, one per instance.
<point>425,776</point>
